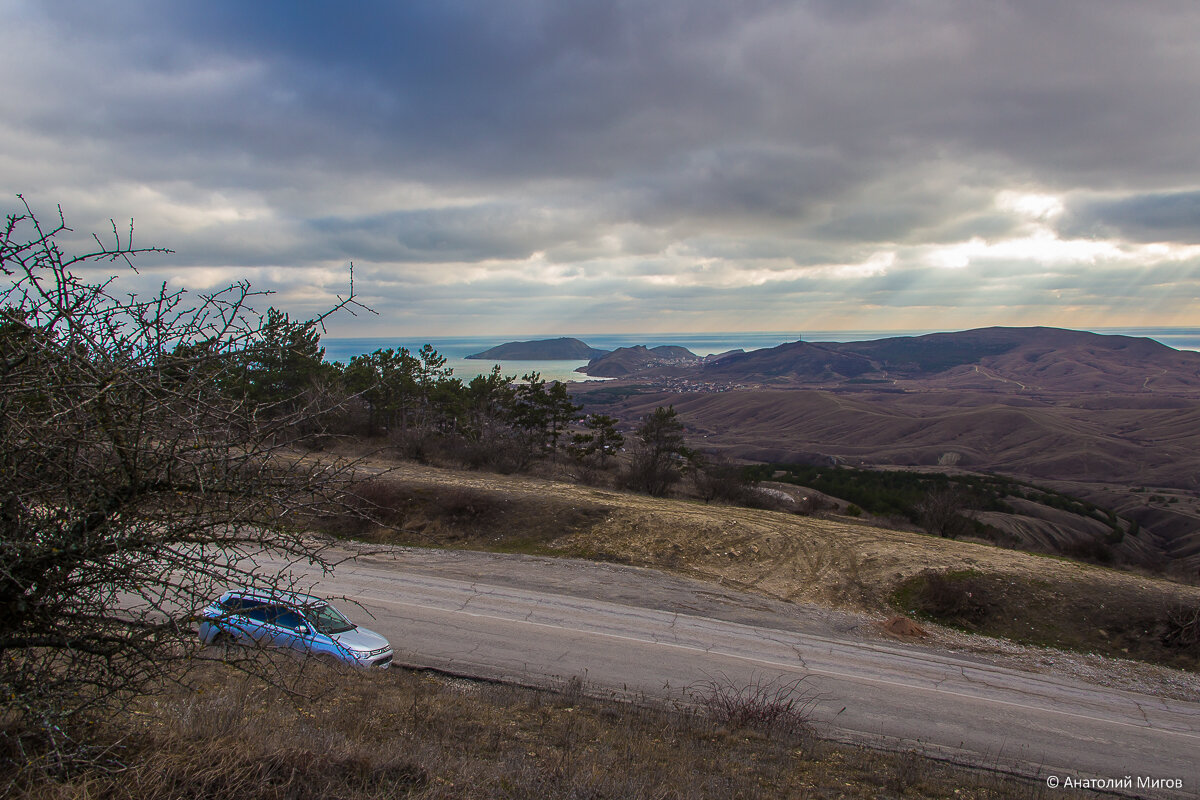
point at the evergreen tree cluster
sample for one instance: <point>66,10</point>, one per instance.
<point>414,399</point>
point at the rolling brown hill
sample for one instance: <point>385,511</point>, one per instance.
<point>1111,419</point>
<point>800,362</point>
<point>1135,442</point>
<point>1134,455</point>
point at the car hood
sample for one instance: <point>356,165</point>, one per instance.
<point>360,640</point>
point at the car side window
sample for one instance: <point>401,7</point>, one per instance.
<point>233,605</point>
<point>256,612</point>
<point>288,619</point>
<point>259,611</point>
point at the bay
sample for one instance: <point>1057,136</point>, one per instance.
<point>457,348</point>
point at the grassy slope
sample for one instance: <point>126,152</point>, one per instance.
<point>404,734</point>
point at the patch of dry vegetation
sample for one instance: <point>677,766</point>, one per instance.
<point>422,736</point>
<point>457,514</point>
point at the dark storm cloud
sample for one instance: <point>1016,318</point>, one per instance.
<point>545,88</point>
<point>750,185</point>
<point>670,153</point>
<point>443,88</point>
<point>1163,217</point>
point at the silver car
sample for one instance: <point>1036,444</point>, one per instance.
<point>292,621</point>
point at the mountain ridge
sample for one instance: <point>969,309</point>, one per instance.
<point>995,358</point>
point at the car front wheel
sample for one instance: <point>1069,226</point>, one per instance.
<point>223,641</point>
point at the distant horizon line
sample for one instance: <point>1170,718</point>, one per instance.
<point>765,332</point>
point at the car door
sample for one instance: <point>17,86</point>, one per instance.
<point>290,630</point>
<point>236,620</point>
<point>256,626</point>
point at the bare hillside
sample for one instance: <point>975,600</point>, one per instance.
<point>1126,440</point>
<point>1119,451</point>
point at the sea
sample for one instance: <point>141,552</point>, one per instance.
<point>456,348</point>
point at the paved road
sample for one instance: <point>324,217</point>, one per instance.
<point>639,633</point>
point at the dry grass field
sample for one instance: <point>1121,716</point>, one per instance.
<point>403,734</point>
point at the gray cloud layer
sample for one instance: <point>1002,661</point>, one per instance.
<point>536,166</point>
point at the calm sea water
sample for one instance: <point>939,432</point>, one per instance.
<point>457,348</point>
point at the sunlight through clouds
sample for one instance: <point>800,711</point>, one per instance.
<point>1030,205</point>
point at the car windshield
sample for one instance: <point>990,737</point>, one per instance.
<point>327,619</point>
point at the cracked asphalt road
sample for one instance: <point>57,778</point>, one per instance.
<point>636,633</point>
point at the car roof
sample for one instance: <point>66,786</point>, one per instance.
<point>276,596</point>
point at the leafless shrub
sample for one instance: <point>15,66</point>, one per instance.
<point>716,478</point>
<point>811,504</point>
<point>135,481</point>
<point>463,505</point>
<point>498,447</point>
<point>771,706</point>
<point>376,501</point>
<point>591,472</point>
<point>377,507</point>
<point>644,472</point>
<point>1182,627</point>
<point>1094,550</point>
<point>941,512</point>
<point>572,690</point>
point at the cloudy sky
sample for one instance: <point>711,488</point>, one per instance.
<point>548,167</point>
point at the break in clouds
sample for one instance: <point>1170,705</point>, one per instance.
<point>546,167</point>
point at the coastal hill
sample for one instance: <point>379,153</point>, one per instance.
<point>563,349</point>
<point>1007,359</point>
<point>664,360</point>
<point>1041,402</point>
<point>625,361</point>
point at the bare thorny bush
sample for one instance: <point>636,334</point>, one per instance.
<point>134,483</point>
<point>768,705</point>
<point>1182,626</point>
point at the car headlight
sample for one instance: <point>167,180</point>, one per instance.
<point>373,653</point>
